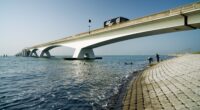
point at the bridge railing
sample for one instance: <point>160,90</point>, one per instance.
<point>171,12</point>
<point>163,14</point>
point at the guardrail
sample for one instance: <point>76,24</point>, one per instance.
<point>168,13</point>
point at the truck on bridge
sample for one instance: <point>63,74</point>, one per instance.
<point>115,21</point>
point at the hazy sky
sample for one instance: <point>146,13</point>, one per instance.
<point>24,23</point>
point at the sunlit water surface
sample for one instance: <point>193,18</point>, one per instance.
<point>51,84</point>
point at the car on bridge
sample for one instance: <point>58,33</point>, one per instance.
<point>115,21</point>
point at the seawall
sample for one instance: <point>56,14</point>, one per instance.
<point>173,84</point>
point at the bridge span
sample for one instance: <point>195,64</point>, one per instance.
<point>178,19</point>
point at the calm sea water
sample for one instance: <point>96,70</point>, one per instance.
<point>52,84</point>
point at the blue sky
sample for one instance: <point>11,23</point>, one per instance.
<point>25,23</point>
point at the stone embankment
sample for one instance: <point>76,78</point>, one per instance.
<point>170,85</point>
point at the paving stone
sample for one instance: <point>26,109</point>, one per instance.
<point>169,108</point>
<point>194,108</point>
<point>179,107</point>
<point>125,107</point>
<point>170,85</point>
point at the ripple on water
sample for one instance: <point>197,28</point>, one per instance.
<point>38,84</point>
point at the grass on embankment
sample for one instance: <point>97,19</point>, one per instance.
<point>196,52</point>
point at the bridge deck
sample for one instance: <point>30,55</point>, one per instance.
<point>173,85</point>
<point>164,14</point>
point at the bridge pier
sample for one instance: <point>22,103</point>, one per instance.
<point>24,53</point>
<point>84,53</point>
<point>173,20</point>
<point>47,53</point>
<point>33,54</point>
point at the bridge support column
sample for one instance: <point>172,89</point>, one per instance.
<point>25,53</point>
<point>47,53</point>
<point>84,53</point>
<point>33,54</point>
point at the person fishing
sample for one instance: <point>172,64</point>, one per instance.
<point>157,57</point>
<point>150,60</point>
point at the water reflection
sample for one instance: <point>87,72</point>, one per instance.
<point>38,83</point>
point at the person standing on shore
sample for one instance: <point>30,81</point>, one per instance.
<point>150,60</point>
<point>157,57</point>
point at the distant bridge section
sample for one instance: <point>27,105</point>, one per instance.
<point>173,20</point>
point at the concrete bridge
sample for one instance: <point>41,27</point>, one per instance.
<point>178,19</point>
